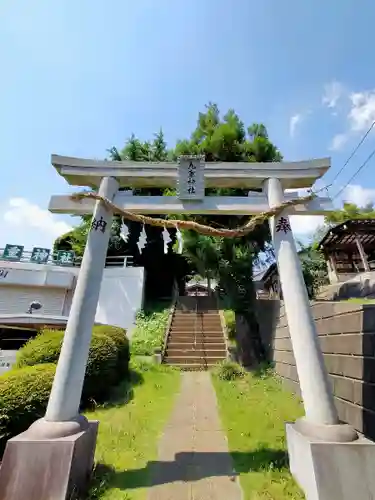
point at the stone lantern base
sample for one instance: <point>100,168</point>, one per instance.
<point>328,470</point>
<point>46,469</point>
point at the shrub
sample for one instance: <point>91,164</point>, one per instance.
<point>24,391</point>
<point>149,333</point>
<point>122,343</point>
<point>44,348</point>
<point>230,321</point>
<point>24,396</point>
<point>107,363</point>
<point>228,370</point>
<point>101,370</point>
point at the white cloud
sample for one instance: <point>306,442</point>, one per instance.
<point>26,223</point>
<point>338,141</point>
<point>332,93</point>
<point>305,225</point>
<point>360,112</point>
<point>294,121</point>
<point>359,195</point>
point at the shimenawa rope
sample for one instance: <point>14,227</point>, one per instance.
<point>195,226</point>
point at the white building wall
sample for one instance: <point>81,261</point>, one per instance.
<point>7,359</point>
<point>17,298</point>
<point>121,294</point>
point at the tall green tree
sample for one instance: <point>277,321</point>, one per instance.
<point>349,211</point>
<point>221,138</point>
<point>230,261</point>
<point>314,268</point>
<point>159,147</point>
<point>161,269</point>
<point>202,253</point>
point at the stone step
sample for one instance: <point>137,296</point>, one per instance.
<point>196,336</point>
<point>191,361</point>
<point>192,331</point>
<point>197,315</point>
<point>197,321</point>
<point>196,330</point>
<point>192,353</point>
<point>201,345</point>
<point>204,313</point>
<point>193,319</point>
<point>213,317</point>
<point>197,325</point>
<point>193,367</point>
<point>179,360</point>
<point>176,337</point>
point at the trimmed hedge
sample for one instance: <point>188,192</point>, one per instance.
<point>24,391</point>
<point>44,348</point>
<point>122,343</point>
<point>101,371</point>
<point>24,394</point>
<point>107,364</point>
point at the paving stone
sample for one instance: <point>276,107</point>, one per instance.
<point>193,458</point>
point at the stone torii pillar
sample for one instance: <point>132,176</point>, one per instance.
<point>53,457</point>
<point>316,393</point>
<point>65,397</point>
<point>328,459</point>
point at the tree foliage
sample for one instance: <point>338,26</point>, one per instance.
<point>230,261</point>
<point>349,211</point>
<point>314,268</point>
<point>226,139</point>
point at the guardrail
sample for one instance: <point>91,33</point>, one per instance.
<point>70,260</point>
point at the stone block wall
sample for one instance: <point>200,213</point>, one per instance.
<point>347,338</point>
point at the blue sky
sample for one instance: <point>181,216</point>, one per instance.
<point>79,77</point>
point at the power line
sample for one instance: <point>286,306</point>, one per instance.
<point>347,161</point>
<point>355,174</point>
<point>354,151</point>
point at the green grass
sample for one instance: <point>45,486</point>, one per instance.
<point>129,430</point>
<point>361,300</point>
<point>254,410</point>
<point>151,323</point>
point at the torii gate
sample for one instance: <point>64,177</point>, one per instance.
<point>191,175</point>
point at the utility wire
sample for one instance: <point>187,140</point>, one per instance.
<point>354,151</point>
<point>346,163</point>
<point>362,166</point>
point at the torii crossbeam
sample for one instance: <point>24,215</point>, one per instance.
<point>190,176</point>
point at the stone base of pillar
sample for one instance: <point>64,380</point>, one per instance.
<point>328,470</point>
<point>39,468</point>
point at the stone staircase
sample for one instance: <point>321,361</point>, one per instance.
<point>196,338</point>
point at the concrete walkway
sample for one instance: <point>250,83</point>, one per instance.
<point>194,462</point>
